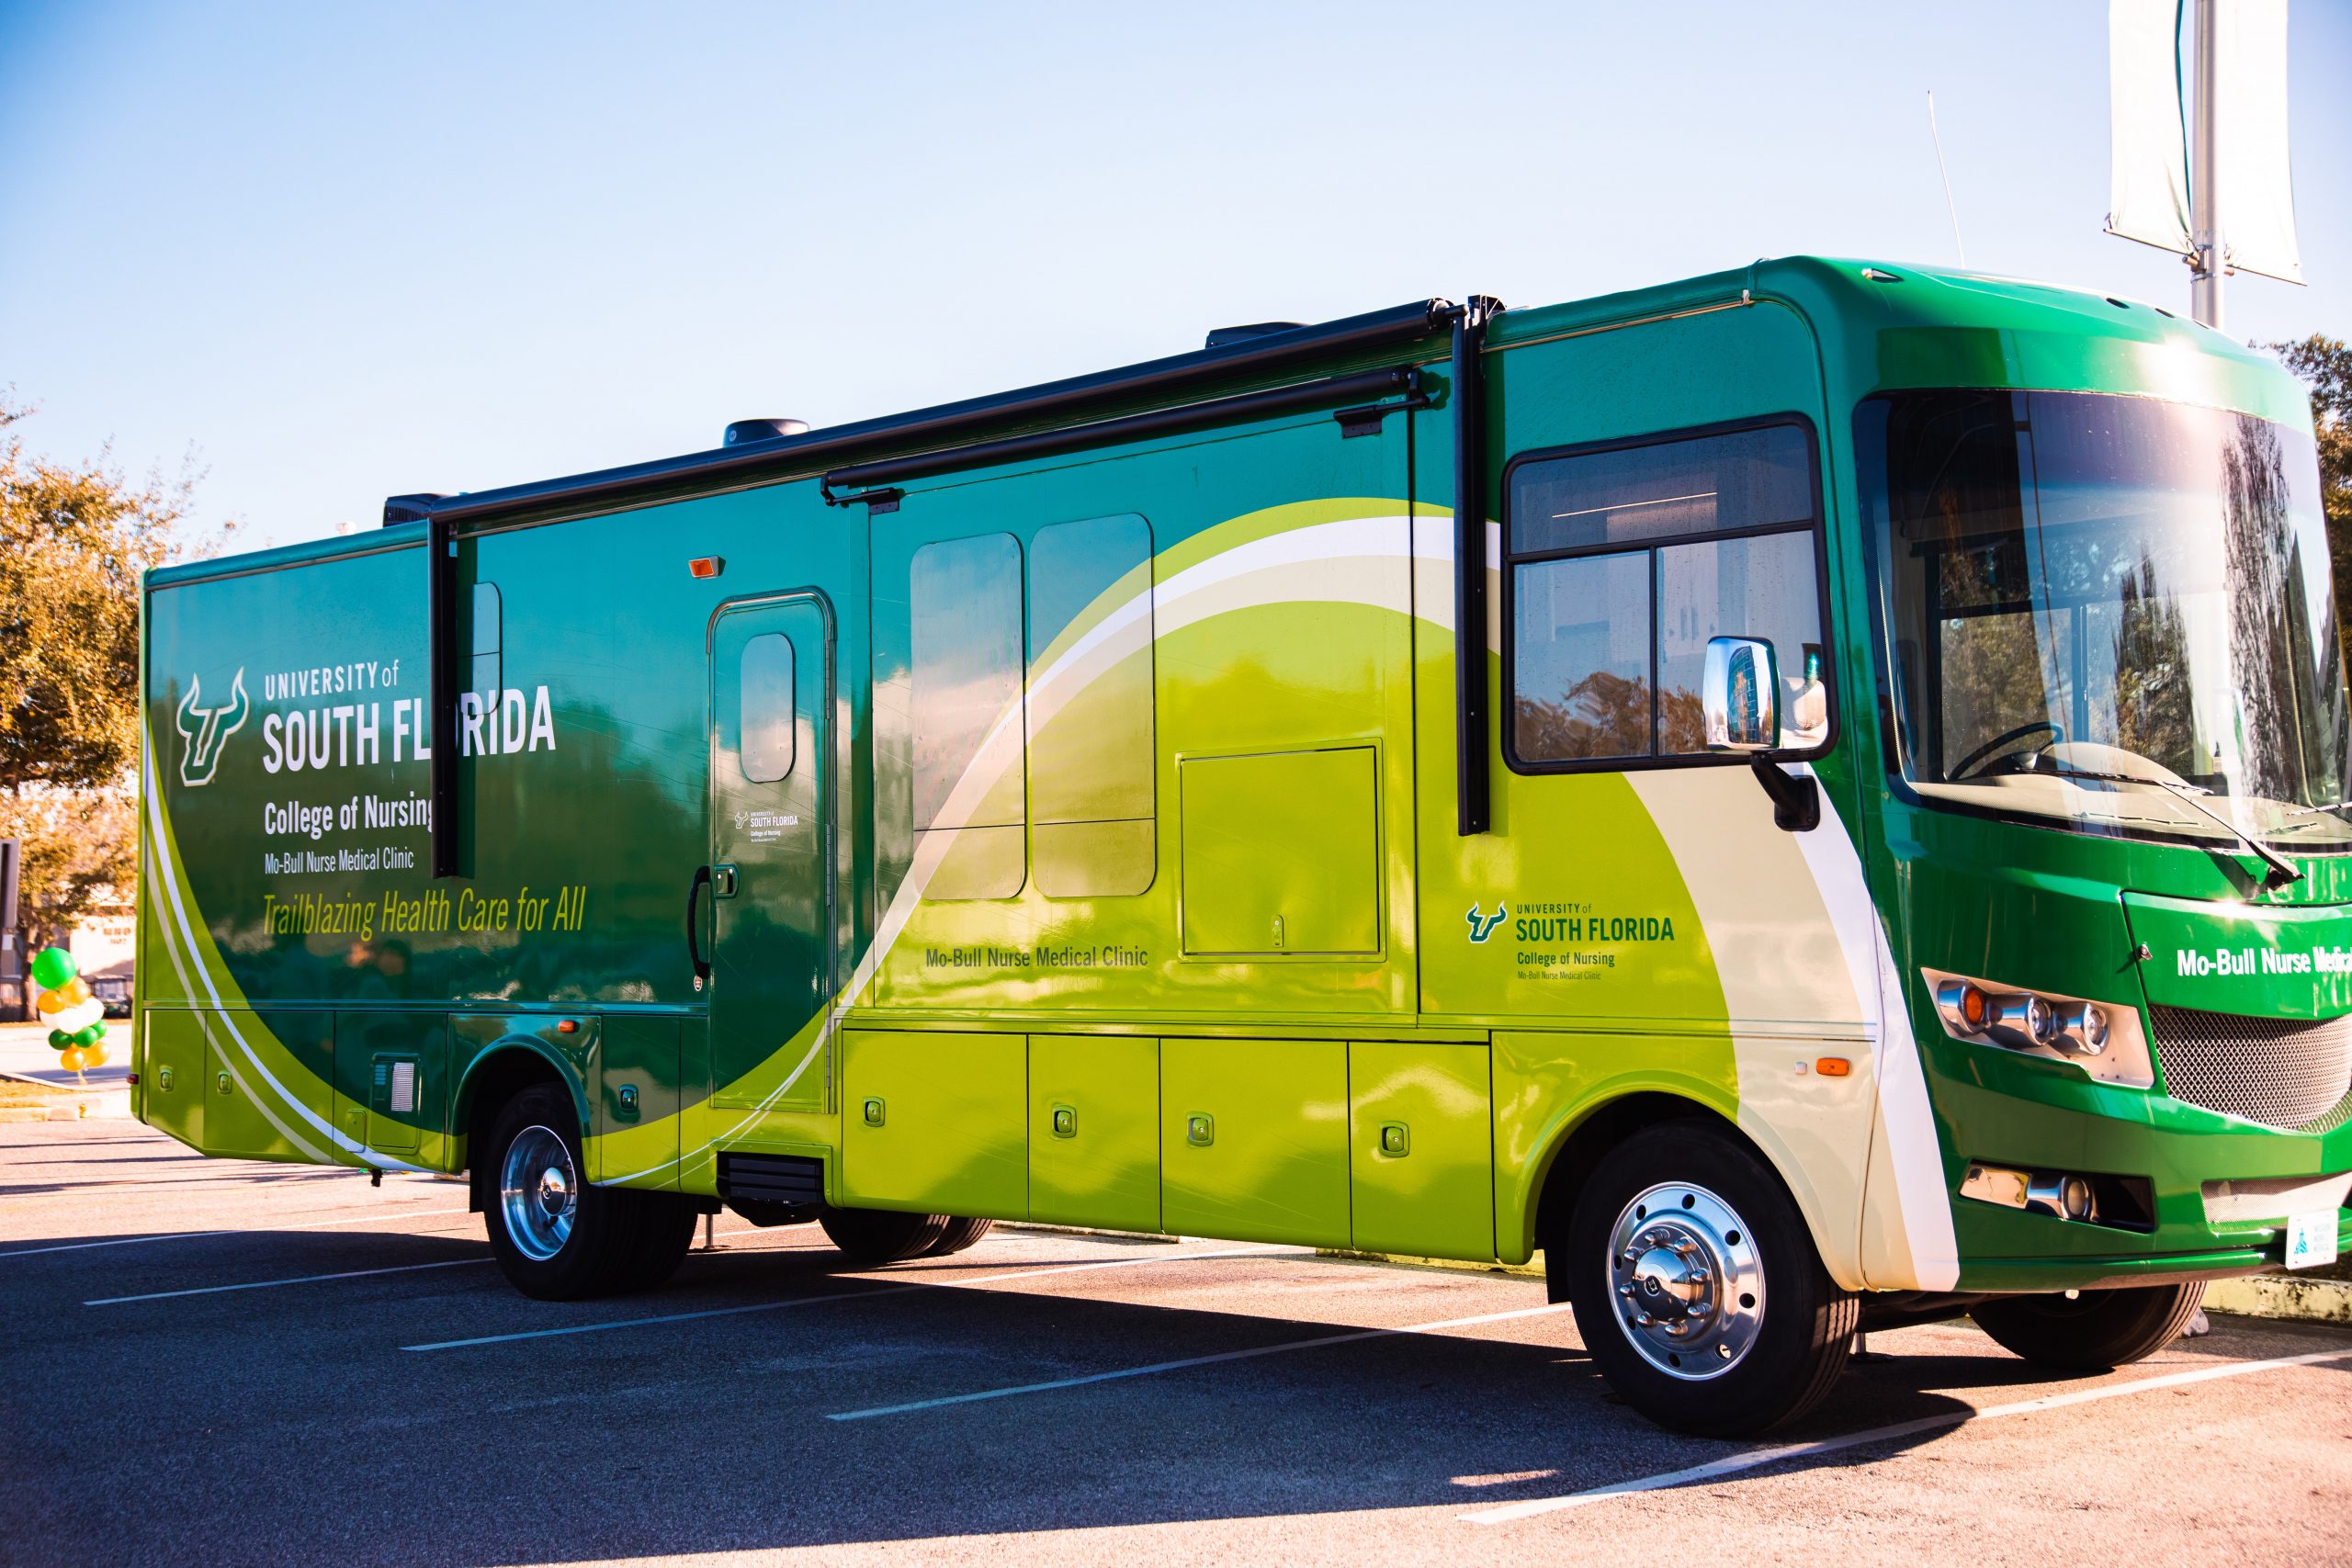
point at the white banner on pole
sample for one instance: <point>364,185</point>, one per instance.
<point>2257,211</point>
<point>2148,157</point>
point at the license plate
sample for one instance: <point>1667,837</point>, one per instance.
<point>2311,1239</point>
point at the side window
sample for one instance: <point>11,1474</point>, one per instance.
<point>964,604</point>
<point>488,635</point>
<point>1090,696</point>
<point>764,708</point>
<point>1623,562</point>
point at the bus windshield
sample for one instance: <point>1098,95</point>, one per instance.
<point>2109,610</point>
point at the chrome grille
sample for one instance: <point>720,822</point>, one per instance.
<point>2283,1072</point>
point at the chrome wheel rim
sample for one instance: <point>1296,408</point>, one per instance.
<point>1687,1281</point>
<point>538,1192</point>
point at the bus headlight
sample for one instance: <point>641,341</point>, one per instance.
<point>2083,1028</point>
<point>2104,1040</point>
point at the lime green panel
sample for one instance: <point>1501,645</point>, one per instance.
<point>1281,853</point>
<point>171,1074</point>
<point>935,1123</point>
<point>637,1074</point>
<point>1253,1139</point>
<point>236,1120</point>
<point>1094,1130</point>
<point>1546,1084</point>
<point>1421,1149</point>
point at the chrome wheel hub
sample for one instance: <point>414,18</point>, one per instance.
<point>538,1192</point>
<point>1687,1281</point>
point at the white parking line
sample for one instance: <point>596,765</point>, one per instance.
<point>271,1284</point>
<point>364,1273</point>
<point>1756,1458</point>
<point>1286,1346</point>
<point>242,1230</point>
<point>925,1283</point>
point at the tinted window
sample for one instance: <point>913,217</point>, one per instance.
<point>765,708</point>
<point>1623,563</point>
<point>1746,479</point>
<point>488,632</point>
<point>965,599</point>
<point>1091,755</point>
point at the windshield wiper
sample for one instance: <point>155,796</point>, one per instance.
<point>2282,872</point>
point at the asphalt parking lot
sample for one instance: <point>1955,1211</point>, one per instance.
<point>213,1361</point>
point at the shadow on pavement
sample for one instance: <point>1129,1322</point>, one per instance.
<point>293,1425</point>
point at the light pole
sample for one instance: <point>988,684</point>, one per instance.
<point>2206,262</point>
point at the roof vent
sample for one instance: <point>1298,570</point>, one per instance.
<point>744,430</point>
<point>1222,337</point>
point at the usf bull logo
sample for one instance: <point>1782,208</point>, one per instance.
<point>202,729</point>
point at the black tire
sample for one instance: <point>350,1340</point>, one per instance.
<point>665,1231</point>
<point>873,1236</point>
<point>1794,1334</point>
<point>2097,1331</point>
<point>603,1228</point>
<point>959,1235</point>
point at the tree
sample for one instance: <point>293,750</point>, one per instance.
<point>74,540</point>
<point>79,845</point>
<point>2324,365</point>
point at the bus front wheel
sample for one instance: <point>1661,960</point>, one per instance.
<point>555,1237</point>
<point>2091,1331</point>
<point>1696,1286</point>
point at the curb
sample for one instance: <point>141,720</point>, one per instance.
<point>2305,1301</point>
<point>67,1111</point>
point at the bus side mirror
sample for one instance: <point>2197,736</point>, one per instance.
<point>1739,704</point>
<point>1739,695</point>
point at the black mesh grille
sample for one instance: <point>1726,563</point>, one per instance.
<point>2283,1072</point>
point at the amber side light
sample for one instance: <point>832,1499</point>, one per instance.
<point>705,566</point>
<point>1833,1066</point>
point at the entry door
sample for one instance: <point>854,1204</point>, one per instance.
<point>768,909</point>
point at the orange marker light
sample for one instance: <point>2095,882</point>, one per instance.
<point>705,566</point>
<point>569,1026</point>
<point>1833,1066</point>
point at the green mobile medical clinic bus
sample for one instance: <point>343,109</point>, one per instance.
<point>1811,795</point>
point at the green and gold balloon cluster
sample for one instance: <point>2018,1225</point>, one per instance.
<point>76,1020</point>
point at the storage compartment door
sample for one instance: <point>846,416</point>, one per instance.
<point>1281,853</point>
<point>934,1123</point>
<point>636,1095</point>
<point>171,1074</point>
<point>392,1083</point>
<point>1421,1149</point>
<point>1253,1139</point>
<point>1094,1130</point>
<point>246,1115</point>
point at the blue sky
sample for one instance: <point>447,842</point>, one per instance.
<point>345,251</point>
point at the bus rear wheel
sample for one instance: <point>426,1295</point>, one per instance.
<point>555,1237</point>
<point>2093,1331</point>
<point>959,1235</point>
<point>1696,1286</point>
<point>873,1236</point>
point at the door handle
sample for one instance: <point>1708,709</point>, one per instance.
<point>693,937</point>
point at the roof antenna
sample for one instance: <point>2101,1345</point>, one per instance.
<point>1950,206</point>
